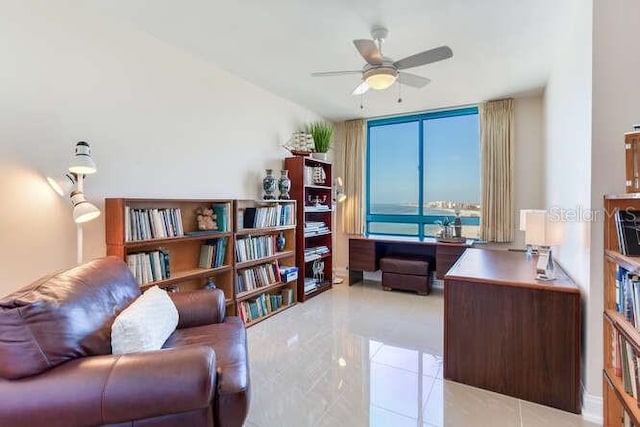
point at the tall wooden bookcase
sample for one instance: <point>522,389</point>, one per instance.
<point>184,252</point>
<point>617,401</point>
<point>305,189</point>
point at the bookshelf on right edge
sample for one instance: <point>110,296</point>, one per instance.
<point>621,341</point>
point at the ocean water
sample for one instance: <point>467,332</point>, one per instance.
<point>470,220</point>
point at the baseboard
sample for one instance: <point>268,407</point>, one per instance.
<point>341,272</point>
<point>592,407</point>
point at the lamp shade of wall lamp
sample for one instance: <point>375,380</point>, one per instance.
<point>380,78</point>
<point>338,191</point>
<point>62,185</point>
<point>83,211</point>
<point>82,163</point>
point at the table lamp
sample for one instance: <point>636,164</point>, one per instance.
<point>523,227</point>
<point>545,232</point>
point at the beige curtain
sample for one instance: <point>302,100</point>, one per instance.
<point>352,165</point>
<point>496,148</point>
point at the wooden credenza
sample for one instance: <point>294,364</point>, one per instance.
<point>508,333</point>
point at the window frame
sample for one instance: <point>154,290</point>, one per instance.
<point>420,218</point>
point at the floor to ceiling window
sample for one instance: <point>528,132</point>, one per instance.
<point>421,170</point>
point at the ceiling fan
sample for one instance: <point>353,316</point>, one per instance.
<point>380,71</point>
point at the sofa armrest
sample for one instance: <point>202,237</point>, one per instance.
<point>145,385</point>
<point>201,307</point>
<point>112,389</point>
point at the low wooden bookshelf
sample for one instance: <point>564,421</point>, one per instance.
<point>258,226</point>
<point>182,242</point>
<point>183,248</point>
<point>619,404</point>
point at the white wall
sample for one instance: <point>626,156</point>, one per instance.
<point>567,116</point>
<point>529,162</point>
<point>161,123</point>
<point>616,108</point>
<point>528,171</point>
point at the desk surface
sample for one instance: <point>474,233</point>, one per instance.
<point>506,268</point>
<point>409,239</point>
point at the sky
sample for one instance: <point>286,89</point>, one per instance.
<point>451,161</point>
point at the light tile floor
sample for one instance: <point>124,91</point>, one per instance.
<point>358,356</point>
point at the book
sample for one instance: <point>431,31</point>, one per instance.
<point>249,218</point>
<point>221,210</point>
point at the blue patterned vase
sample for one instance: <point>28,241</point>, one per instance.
<point>269,185</point>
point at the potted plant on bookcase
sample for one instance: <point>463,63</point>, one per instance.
<point>322,133</point>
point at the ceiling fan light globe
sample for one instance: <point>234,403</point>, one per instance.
<point>380,78</point>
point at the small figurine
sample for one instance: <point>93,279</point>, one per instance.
<point>206,219</point>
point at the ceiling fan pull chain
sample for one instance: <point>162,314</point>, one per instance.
<point>362,101</point>
<point>399,92</point>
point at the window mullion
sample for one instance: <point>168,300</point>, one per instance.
<point>421,178</point>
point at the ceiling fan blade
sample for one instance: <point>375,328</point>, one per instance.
<point>335,73</point>
<point>424,58</point>
<point>369,51</point>
<point>362,88</point>
<point>413,80</point>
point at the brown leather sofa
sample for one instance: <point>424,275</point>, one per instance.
<point>56,366</point>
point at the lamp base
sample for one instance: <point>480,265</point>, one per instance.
<point>544,268</point>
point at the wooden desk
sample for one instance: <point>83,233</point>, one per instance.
<point>365,252</point>
<point>508,333</point>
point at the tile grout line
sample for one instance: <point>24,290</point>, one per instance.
<point>520,413</point>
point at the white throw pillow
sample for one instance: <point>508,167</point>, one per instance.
<point>146,324</point>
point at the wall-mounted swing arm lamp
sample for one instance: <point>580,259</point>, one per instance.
<point>338,191</point>
<point>338,197</point>
<point>71,184</point>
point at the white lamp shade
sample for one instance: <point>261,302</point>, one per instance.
<point>82,162</point>
<point>523,217</point>
<point>83,211</point>
<point>541,230</point>
<point>62,185</point>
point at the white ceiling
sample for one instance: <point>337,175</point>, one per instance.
<point>501,47</point>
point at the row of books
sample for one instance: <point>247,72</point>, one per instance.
<point>628,295</point>
<point>212,253</point>
<point>144,224</point>
<point>263,305</point>
<point>268,216</point>
<point>625,363</point>
<point>254,247</point>
<point>628,229</point>
<point>149,267</point>
<point>310,284</point>
<point>317,208</point>
<point>313,228</point>
<point>257,277</point>
<point>314,253</point>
